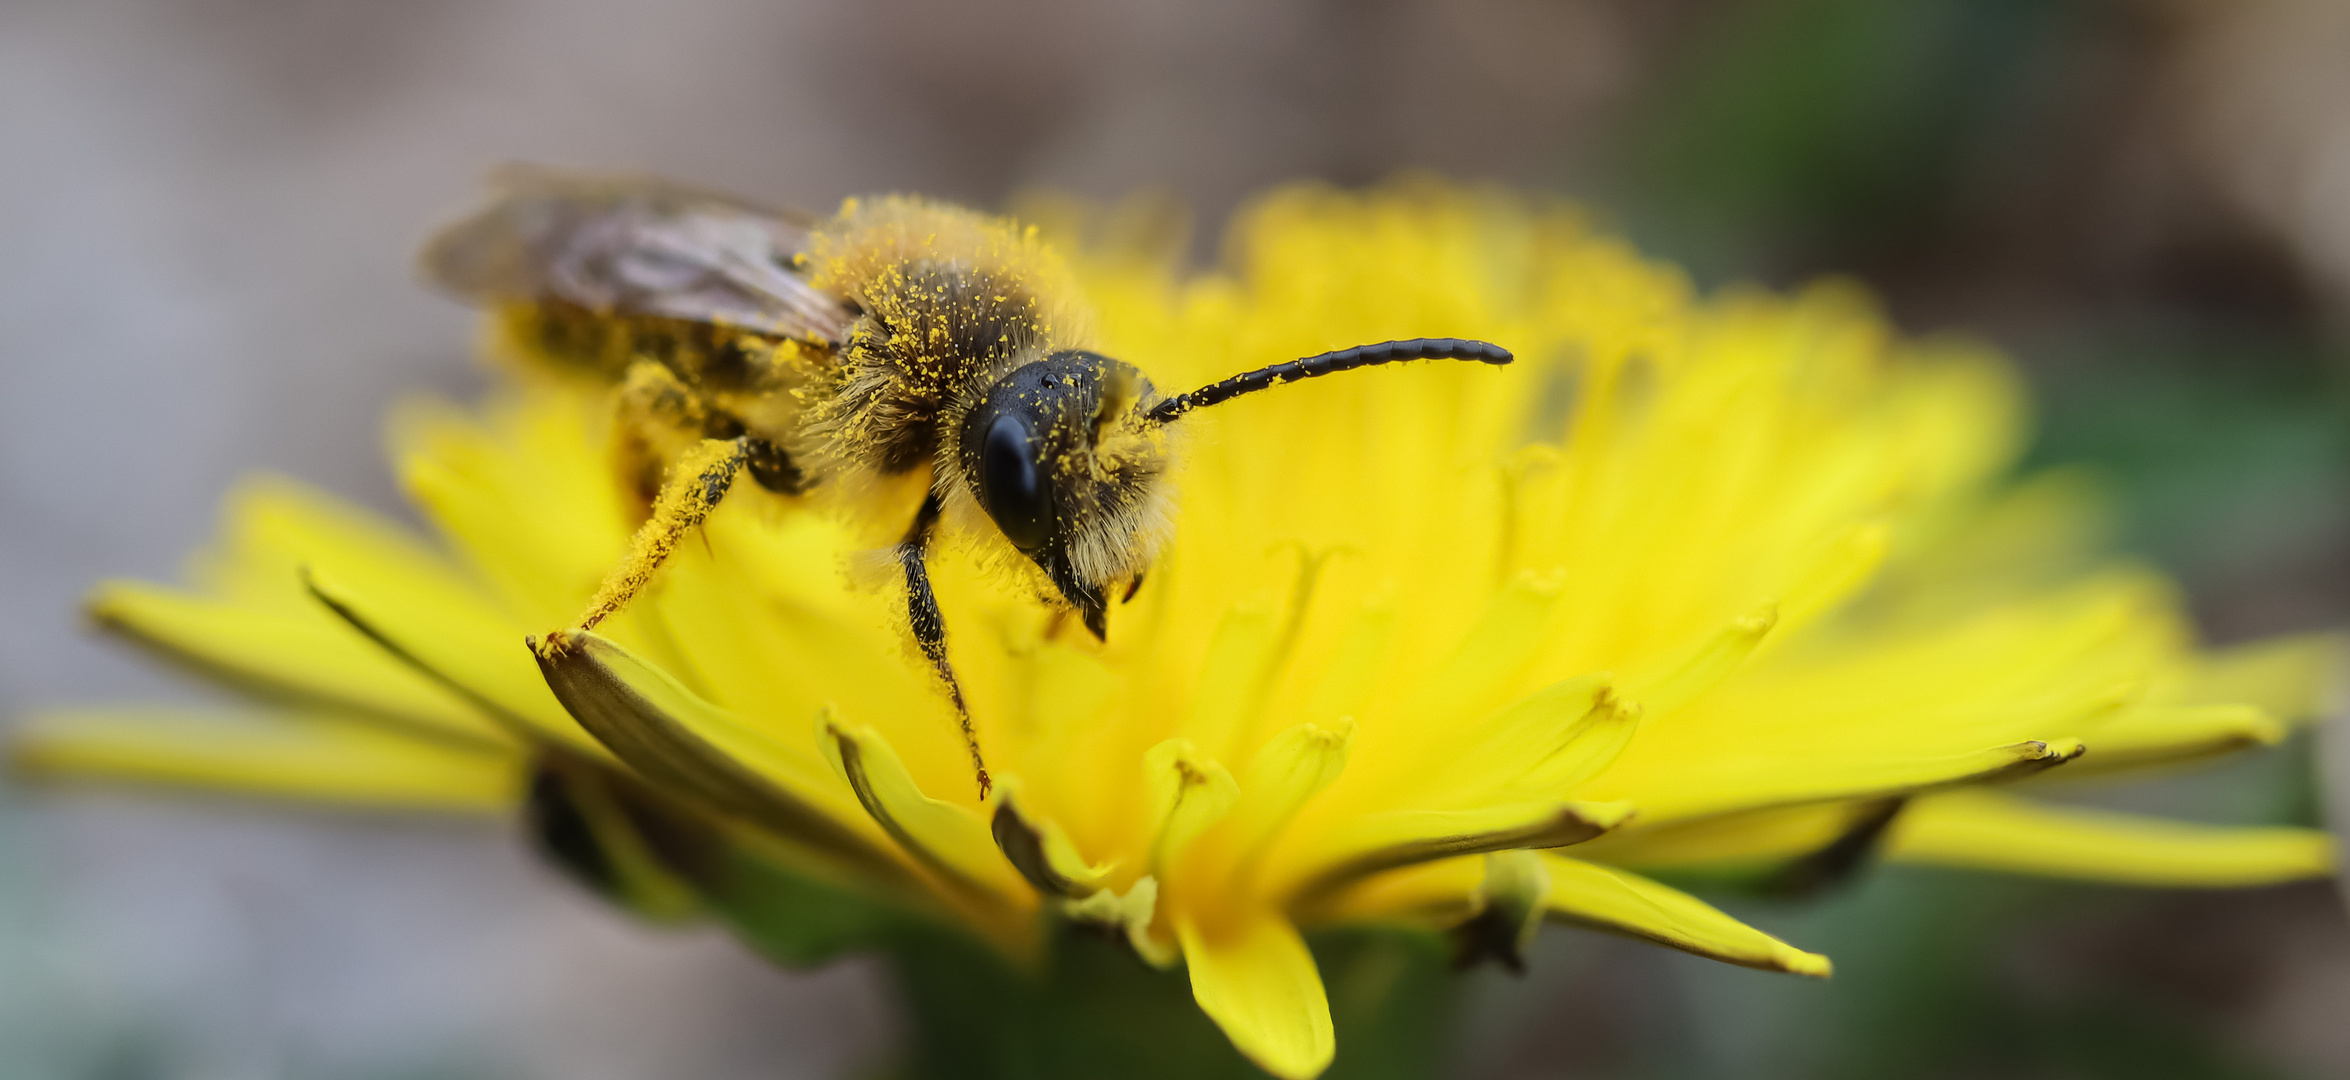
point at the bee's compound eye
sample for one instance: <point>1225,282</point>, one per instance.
<point>1011,486</point>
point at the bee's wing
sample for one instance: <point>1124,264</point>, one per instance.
<point>635,246</point>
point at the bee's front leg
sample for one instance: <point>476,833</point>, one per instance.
<point>930,628</point>
<point>698,479</point>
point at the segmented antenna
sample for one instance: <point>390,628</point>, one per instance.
<point>1386,352</point>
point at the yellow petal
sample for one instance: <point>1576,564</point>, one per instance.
<point>1710,664</point>
<point>945,836</point>
<point>1987,830</point>
<point>1352,670</point>
<point>1605,898</point>
<point>476,659</point>
<point>1751,839</point>
<point>1256,980</point>
<point>1837,571</point>
<point>2291,678</point>
<point>1434,895</point>
<point>1539,746</point>
<point>1293,767</point>
<point>1383,842</point>
<point>693,748</point>
<point>1498,646</point>
<point>288,654</point>
<point>1131,914</point>
<point>1585,748</point>
<point>2156,735</point>
<point>274,526</point>
<point>1188,794</point>
<point>1749,784</point>
<point>1039,848</point>
<point>311,756</point>
<point>1223,703</point>
<point>525,492</point>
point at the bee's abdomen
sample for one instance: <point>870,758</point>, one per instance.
<point>565,336</point>
<point>704,355</point>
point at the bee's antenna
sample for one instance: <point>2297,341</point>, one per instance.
<point>1386,352</point>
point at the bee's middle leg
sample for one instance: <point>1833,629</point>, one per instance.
<point>930,628</point>
<point>698,479</point>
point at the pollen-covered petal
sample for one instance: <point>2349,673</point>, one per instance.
<point>303,755</point>
<point>1617,901</point>
<point>1748,783</point>
<point>473,658</point>
<point>1382,842</point>
<point>674,738</point>
<point>1258,982</point>
<point>288,653</point>
<point>1986,830</point>
<point>945,836</point>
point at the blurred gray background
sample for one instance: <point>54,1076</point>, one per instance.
<point>207,212</point>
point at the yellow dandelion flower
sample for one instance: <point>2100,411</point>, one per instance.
<point>1699,586</point>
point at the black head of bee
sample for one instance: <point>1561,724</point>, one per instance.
<point>1058,455</point>
<point>1065,454</point>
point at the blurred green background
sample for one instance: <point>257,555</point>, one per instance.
<point>208,205</point>
<point>2041,175</point>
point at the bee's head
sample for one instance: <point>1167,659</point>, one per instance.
<point>1068,455</point>
<point>1061,454</point>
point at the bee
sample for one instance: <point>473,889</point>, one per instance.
<point>899,340</point>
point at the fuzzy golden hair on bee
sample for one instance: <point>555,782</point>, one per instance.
<point>948,300</point>
<point>872,237</point>
<point>1126,508</point>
